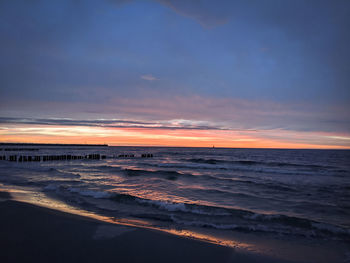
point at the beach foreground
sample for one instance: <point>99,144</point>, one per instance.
<point>31,233</point>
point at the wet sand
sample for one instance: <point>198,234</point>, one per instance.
<point>31,233</point>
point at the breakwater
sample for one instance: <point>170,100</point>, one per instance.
<point>66,157</point>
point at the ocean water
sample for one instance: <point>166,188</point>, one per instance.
<point>268,191</point>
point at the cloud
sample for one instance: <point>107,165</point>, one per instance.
<point>114,123</point>
<point>206,12</point>
<point>149,77</point>
<point>178,112</point>
<point>64,64</point>
<point>172,132</point>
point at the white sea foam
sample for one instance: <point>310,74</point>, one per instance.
<point>91,193</point>
<point>331,228</point>
<point>255,216</point>
<point>173,207</point>
<point>51,187</point>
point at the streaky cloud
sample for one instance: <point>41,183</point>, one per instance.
<point>113,123</point>
<point>200,113</point>
<point>149,77</point>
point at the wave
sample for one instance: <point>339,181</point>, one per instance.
<point>184,166</point>
<point>251,163</point>
<point>238,219</point>
<point>107,168</point>
<point>61,173</point>
<point>317,230</point>
<point>183,207</point>
<point>228,194</point>
<point>171,206</point>
<point>201,215</point>
<point>90,193</point>
<point>256,168</point>
<point>61,189</point>
<point>51,187</point>
<point>167,174</point>
<point>266,184</point>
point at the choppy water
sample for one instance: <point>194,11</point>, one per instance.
<point>284,192</point>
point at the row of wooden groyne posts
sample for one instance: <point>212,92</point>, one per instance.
<point>65,157</point>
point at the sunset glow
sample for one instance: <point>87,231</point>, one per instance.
<point>172,73</point>
<point>167,137</point>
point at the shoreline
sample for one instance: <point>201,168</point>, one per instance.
<point>34,233</point>
<point>30,233</point>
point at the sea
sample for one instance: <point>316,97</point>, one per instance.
<point>275,192</point>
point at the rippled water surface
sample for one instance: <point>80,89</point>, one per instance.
<point>288,192</point>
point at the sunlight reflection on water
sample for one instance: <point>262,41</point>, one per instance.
<point>40,199</point>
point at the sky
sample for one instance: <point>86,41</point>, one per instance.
<point>249,73</point>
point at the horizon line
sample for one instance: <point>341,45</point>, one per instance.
<point>165,146</point>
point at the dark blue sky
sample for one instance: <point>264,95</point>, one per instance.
<point>287,61</point>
